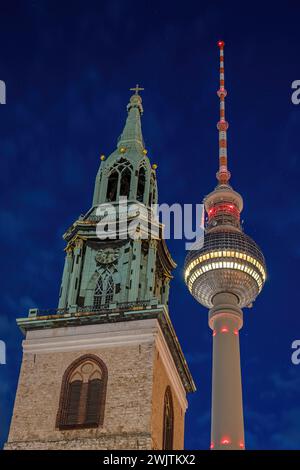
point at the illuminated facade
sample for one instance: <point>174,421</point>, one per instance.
<point>225,275</point>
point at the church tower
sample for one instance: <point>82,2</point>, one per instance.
<point>105,369</point>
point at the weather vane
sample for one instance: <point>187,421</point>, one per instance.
<point>136,89</point>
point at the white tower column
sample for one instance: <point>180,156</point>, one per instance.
<point>227,425</point>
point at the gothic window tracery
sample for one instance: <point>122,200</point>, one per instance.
<point>98,293</point>
<point>83,393</point>
<point>119,180</point>
<point>105,288</point>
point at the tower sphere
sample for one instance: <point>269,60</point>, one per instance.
<point>229,261</point>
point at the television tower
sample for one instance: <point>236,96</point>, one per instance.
<point>225,275</point>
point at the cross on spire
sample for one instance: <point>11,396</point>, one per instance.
<point>136,89</point>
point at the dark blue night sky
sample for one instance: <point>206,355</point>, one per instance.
<point>68,67</point>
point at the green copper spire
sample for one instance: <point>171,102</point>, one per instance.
<point>103,271</point>
<point>132,133</point>
<point>127,171</point>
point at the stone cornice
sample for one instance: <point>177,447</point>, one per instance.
<point>88,319</point>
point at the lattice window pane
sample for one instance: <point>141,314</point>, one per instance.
<point>109,290</point>
<point>93,402</point>
<point>98,293</point>
<point>72,412</point>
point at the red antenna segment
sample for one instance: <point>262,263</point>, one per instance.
<point>223,174</point>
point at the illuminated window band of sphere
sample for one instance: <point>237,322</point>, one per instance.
<point>225,254</point>
<point>257,272</point>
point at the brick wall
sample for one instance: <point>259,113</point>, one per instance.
<point>128,400</point>
<point>138,375</point>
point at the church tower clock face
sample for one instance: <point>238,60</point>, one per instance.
<point>107,256</point>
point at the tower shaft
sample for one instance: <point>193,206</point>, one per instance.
<point>227,425</point>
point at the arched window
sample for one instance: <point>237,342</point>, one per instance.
<point>141,184</point>
<point>119,179</point>
<point>105,288</point>
<point>112,186</point>
<point>83,392</point>
<point>168,424</point>
<point>125,182</point>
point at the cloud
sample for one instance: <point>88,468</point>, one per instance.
<point>287,436</point>
<point>279,428</point>
<point>288,383</point>
<point>197,358</point>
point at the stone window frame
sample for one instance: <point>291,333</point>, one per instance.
<point>63,400</point>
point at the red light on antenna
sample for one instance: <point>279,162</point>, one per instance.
<point>221,43</point>
<point>224,329</point>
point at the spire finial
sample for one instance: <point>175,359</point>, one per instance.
<point>136,89</point>
<point>132,132</point>
<point>223,174</point>
<point>136,99</point>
